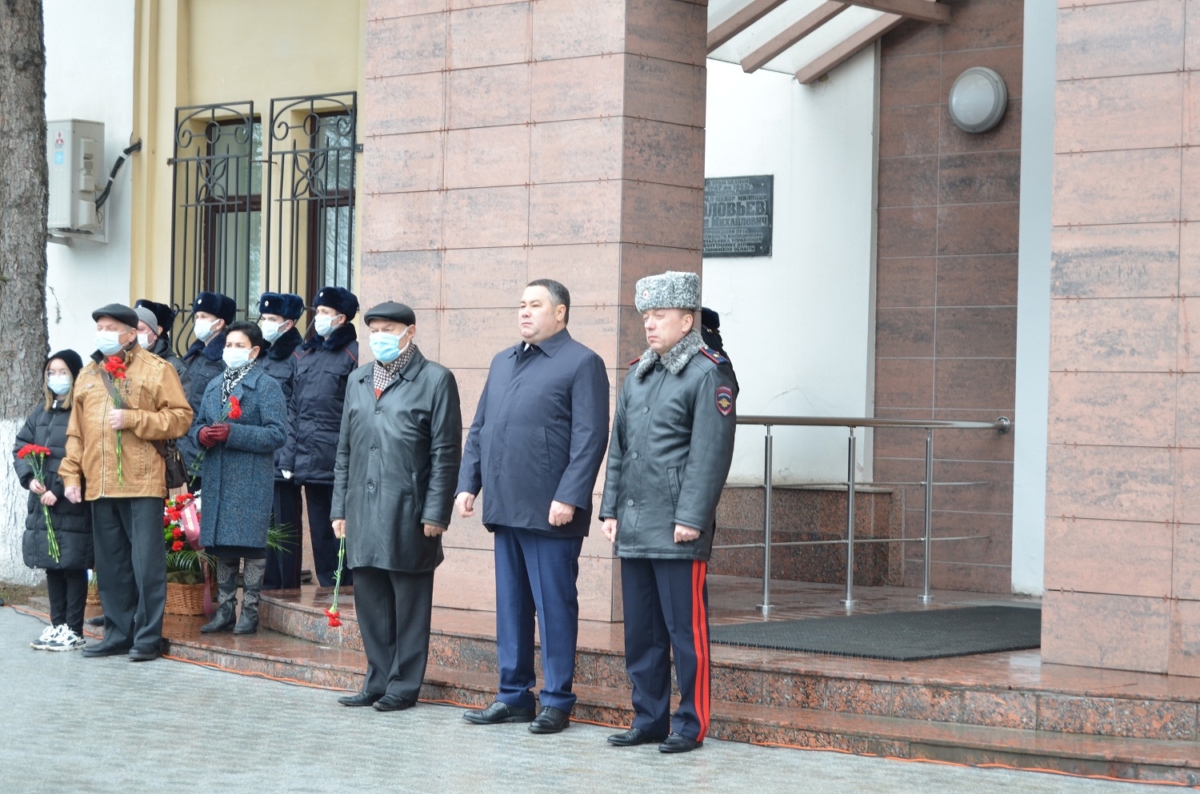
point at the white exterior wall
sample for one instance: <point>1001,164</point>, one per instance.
<point>799,325</point>
<point>89,76</point>
<point>1033,300</point>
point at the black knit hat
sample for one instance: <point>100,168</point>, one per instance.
<point>285,304</point>
<point>342,301</point>
<point>162,312</point>
<point>396,312</point>
<point>216,304</point>
<point>68,357</point>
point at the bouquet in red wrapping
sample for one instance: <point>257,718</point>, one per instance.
<point>37,460</point>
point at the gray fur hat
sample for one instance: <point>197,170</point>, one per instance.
<point>671,290</point>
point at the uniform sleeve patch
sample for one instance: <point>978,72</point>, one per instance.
<point>725,400</point>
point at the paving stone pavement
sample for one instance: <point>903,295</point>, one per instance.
<point>71,724</point>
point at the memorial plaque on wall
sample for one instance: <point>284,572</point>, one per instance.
<point>737,215</point>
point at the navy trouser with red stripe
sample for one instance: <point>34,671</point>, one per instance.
<point>666,609</point>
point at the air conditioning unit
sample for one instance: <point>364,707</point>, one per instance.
<point>75,156</point>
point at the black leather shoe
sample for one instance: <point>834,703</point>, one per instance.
<point>550,720</point>
<point>497,713</point>
<point>359,699</point>
<point>96,621</point>
<point>678,743</point>
<point>392,703</point>
<point>144,654</point>
<point>94,649</point>
<point>635,736</point>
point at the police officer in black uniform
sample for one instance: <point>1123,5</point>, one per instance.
<point>671,448</point>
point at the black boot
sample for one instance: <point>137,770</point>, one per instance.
<point>225,615</point>
<point>252,581</point>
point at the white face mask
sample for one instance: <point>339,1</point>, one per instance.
<point>323,324</point>
<point>59,384</point>
<point>204,329</point>
<point>109,342</point>
<point>144,341</point>
<point>271,330</point>
<point>236,357</point>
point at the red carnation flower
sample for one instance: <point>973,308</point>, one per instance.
<point>333,616</point>
<point>167,521</point>
<point>25,450</point>
<point>116,367</point>
<point>173,514</point>
<point>176,532</point>
<point>235,407</point>
<point>177,546</point>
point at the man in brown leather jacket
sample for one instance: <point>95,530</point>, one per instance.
<point>129,398</point>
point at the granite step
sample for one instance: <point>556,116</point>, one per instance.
<point>278,656</point>
<point>1096,706</point>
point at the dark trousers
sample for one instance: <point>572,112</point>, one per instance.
<point>666,609</point>
<point>394,611</point>
<point>535,575</point>
<point>283,565</point>
<point>320,531</point>
<point>131,565</point>
<point>68,596</point>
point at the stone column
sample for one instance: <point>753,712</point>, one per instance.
<point>512,141</point>
<point>1123,487</point>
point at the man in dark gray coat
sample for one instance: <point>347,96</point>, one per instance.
<point>393,491</point>
<point>672,445</point>
<point>534,450</point>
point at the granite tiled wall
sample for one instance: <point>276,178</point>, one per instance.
<point>945,331</point>
<point>507,141</point>
<point>1123,528</point>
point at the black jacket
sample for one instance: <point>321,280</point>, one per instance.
<point>280,364</point>
<point>397,462</point>
<point>538,436</point>
<point>315,408</point>
<point>162,348</point>
<point>671,448</point>
<point>72,522</point>
<point>204,362</point>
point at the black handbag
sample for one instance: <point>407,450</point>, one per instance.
<point>177,472</point>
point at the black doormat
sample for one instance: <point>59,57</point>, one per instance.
<point>896,636</point>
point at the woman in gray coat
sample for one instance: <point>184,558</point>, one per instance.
<point>241,422</point>
<point>393,488</point>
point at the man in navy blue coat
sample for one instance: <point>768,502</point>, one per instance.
<point>534,450</point>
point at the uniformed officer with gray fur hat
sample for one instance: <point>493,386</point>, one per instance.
<point>671,448</point>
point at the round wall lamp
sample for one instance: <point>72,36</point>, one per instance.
<point>978,99</point>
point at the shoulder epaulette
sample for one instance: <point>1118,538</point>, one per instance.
<point>714,355</point>
<point>634,363</point>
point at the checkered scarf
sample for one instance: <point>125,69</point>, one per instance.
<point>385,374</point>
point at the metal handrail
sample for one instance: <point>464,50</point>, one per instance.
<point>1001,425</point>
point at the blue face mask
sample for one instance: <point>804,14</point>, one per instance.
<point>323,324</point>
<point>109,342</point>
<point>386,347</point>
<point>271,331</point>
<point>236,357</point>
<point>59,384</point>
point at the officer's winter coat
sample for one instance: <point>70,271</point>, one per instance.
<point>671,448</point>
<point>280,363</point>
<point>316,405</point>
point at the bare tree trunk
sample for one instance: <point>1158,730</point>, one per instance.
<point>22,253</point>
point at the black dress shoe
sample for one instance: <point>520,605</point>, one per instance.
<point>392,703</point>
<point>678,743</point>
<point>497,713</point>
<point>550,720</point>
<point>144,654</point>
<point>635,736</point>
<point>94,649</point>
<point>359,699</point>
<point>96,621</point>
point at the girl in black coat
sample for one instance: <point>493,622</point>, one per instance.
<point>66,577</point>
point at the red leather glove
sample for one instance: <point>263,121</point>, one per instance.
<point>220,432</point>
<point>205,437</point>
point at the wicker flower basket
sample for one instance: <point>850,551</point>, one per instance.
<point>185,599</point>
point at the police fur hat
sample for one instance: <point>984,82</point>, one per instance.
<point>285,304</point>
<point>342,301</point>
<point>216,304</point>
<point>119,312</point>
<point>70,358</point>
<point>163,314</point>
<point>396,312</point>
<point>670,290</point>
